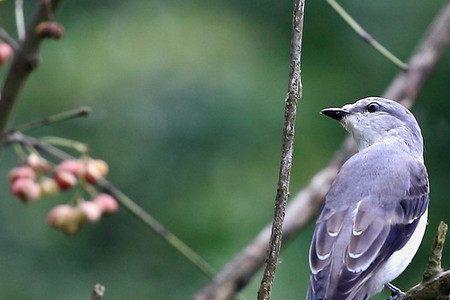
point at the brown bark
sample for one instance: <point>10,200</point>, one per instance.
<point>284,177</point>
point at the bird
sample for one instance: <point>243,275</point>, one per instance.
<point>375,213</point>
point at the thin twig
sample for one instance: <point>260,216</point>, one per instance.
<point>405,88</point>
<point>158,228</point>
<point>24,62</point>
<point>284,177</point>
<point>98,292</point>
<point>20,20</point>
<point>5,37</point>
<point>59,117</point>
<point>81,148</point>
<point>124,200</point>
<point>366,36</point>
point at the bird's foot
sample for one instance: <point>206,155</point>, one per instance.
<point>395,291</point>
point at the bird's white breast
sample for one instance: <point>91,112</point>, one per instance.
<point>400,259</point>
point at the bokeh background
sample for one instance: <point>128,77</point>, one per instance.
<point>188,106</point>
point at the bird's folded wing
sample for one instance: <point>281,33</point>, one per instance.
<point>342,260</point>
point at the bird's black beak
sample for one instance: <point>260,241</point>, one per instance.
<point>335,113</point>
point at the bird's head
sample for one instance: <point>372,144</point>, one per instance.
<point>375,119</point>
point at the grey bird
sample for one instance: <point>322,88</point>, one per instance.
<point>375,213</point>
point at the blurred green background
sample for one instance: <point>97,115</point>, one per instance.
<point>188,107</point>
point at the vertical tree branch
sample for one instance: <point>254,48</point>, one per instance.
<point>25,60</point>
<point>290,113</point>
<point>405,88</point>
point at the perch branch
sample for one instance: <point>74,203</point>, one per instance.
<point>405,88</point>
<point>24,62</point>
<point>366,36</point>
<point>98,292</point>
<point>435,283</point>
<point>284,177</point>
<point>124,200</point>
<point>434,266</point>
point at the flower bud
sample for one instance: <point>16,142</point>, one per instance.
<point>21,172</point>
<point>26,189</point>
<point>107,203</point>
<point>49,186</point>
<point>66,218</point>
<point>6,51</point>
<point>50,30</point>
<point>38,163</point>
<point>91,210</point>
<point>65,180</point>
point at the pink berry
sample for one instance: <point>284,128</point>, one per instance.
<point>59,214</point>
<point>91,210</point>
<point>95,169</point>
<point>26,189</point>
<point>49,186</point>
<point>65,179</point>
<point>21,172</point>
<point>6,51</point>
<point>38,163</point>
<point>107,203</point>
<point>102,166</point>
<point>74,166</point>
<point>66,218</point>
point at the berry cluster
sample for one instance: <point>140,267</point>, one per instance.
<point>38,178</point>
<point>69,219</point>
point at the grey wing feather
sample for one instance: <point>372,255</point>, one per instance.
<point>384,203</point>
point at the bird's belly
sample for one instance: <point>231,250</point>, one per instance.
<point>400,259</point>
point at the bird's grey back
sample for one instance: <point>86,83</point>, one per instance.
<point>370,212</point>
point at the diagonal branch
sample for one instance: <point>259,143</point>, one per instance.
<point>284,177</point>
<point>24,62</point>
<point>405,88</point>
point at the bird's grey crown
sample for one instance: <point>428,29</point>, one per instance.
<point>390,121</point>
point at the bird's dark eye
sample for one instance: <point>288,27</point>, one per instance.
<point>373,107</point>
